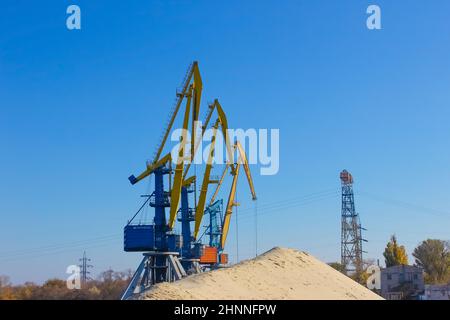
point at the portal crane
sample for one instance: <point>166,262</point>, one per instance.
<point>161,246</point>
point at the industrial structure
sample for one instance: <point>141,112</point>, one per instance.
<point>402,282</point>
<point>168,256</point>
<point>351,238</point>
<point>84,269</point>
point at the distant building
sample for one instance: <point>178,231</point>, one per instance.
<point>402,282</point>
<point>437,292</point>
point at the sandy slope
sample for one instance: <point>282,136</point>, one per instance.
<point>277,274</point>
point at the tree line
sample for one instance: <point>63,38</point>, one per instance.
<point>109,285</point>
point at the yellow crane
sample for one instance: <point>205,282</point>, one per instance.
<point>234,169</point>
<point>192,92</point>
<point>223,123</point>
<point>157,240</point>
<point>241,161</point>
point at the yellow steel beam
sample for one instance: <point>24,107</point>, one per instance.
<point>151,167</point>
<point>224,127</point>
<point>178,177</point>
<point>189,181</point>
<point>219,184</point>
<point>194,70</point>
<point>244,161</point>
<point>199,211</point>
<point>193,73</point>
<point>197,94</point>
<point>229,209</point>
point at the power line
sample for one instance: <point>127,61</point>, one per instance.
<point>406,205</point>
<point>53,249</point>
<point>56,252</point>
<point>58,246</point>
<point>258,211</point>
<point>279,208</point>
<point>292,200</point>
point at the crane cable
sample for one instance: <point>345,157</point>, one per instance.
<point>256,228</point>
<point>139,210</point>
<point>237,229</point>
<point>143,216</point>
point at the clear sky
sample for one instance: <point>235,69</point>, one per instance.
<point>82,110</point>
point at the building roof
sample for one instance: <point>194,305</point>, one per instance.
<point>402,268</point>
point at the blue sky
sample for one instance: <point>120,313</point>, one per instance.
<point>82,110</point>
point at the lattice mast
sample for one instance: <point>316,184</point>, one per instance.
<point>84,269</point>
<point>351,238</point>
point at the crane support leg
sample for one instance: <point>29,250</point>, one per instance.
<point>134,280</point>
<point>152,271</point>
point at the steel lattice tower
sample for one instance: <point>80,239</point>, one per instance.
<point>351,239</point>
<point>84,269</point>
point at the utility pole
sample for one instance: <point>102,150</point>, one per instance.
<point>84,269</point>
<point>351,239</point>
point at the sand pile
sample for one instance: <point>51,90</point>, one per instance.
<point>277,274</point>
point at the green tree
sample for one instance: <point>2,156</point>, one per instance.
<point>394,254</point>
<point>434,257</point>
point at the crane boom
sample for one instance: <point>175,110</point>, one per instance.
<point>150,168</point>
<point>222,120</point>
<point>206,181</point>
<point>229,210</point>
<point>192,90</point>
<point>194,72</point>
<point>224,128</point>
<point>242,160</point>
<point>197,86</point>
<point>178,177</point>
